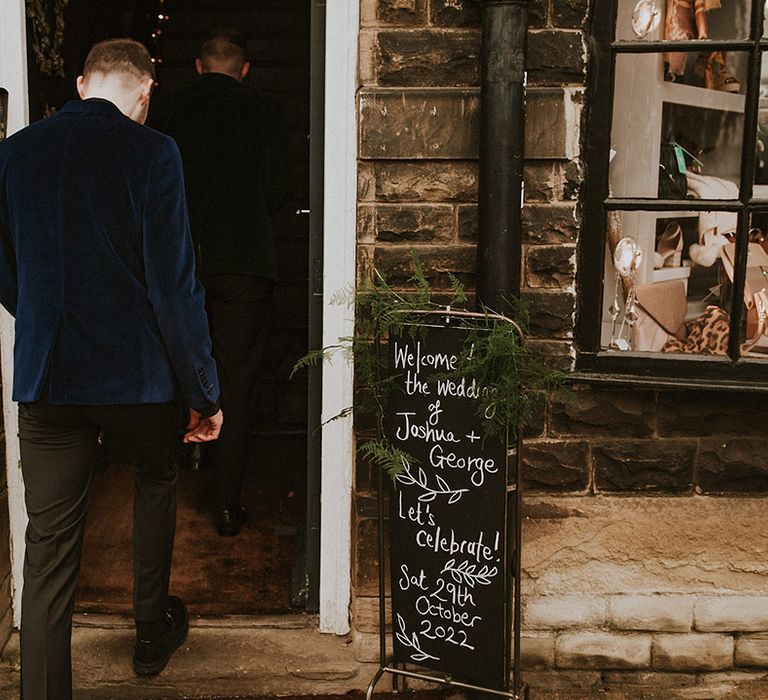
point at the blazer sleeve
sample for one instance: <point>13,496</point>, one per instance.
<point>177,297</point>
<point>9,288</point>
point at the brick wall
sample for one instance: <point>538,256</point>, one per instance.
<point>646,529</point>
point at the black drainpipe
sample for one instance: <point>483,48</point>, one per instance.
<point>502,133</point>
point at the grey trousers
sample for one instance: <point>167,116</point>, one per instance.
<point>58,453</point>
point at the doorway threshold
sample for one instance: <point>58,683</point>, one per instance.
<point>223,656</point>
<point>291,621</point>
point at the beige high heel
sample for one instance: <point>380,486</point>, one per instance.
<point>669,247</point>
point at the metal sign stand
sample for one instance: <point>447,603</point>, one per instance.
<point>512,563</point>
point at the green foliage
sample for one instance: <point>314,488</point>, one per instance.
<point>384,455</point>
<point>515,380</point>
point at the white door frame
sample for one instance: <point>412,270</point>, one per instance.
<point>342,25</point>
<point>13,77</point>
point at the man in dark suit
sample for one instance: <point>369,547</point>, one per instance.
<point>232,142</point>
<point>97,266</point>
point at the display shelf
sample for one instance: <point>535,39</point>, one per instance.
<point>692,96</point>
<point>663,274</point>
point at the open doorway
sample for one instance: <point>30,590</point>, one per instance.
<point>333,191</point>
<point>261,570</point>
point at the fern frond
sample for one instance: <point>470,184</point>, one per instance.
<point>389,458</point>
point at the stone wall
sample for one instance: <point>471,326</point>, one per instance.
<point>6,612</point>
<point>646,529</point>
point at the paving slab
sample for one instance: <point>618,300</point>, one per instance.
<point>230,658</point>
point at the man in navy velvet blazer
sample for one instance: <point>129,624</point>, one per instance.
<point>97,266</point>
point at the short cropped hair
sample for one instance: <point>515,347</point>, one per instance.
<point>122,56</point>
<point>224,45</point>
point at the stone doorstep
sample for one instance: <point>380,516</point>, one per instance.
<point>276,655</point>
<point>286,655</point>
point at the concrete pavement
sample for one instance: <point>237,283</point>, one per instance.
<point>239,657</point>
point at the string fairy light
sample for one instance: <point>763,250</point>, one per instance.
<point>159,19</point>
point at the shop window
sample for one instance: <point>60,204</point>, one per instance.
<point>673,275</point>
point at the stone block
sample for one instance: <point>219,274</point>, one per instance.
<point>366,478</point>
<point>395,263</point>
<point>367,505</point>
<point>650,681</point>
<point>468,223</point>
<point>549,224</point>
<point>552,123</point>
<point>365,267</point>
<point>551,313</point>
<point>365,647</point>
<point>569,13</point>
<point>733,465</point>
<point>454,13</point>
<point>541,181</point>
<point>546,683</point>
<point>653,613</point>
<point>752,651</point>
<point>555,58</point>
<point>537,650</point>
<point>693,652</point>
<point>417,124</point>
<point>407,223</point>
<point>556,354</point>
<point>366,558</point>
<point>5,549</point>
<point>556,465</point>
<point>6,611</point>
<point>564,612</point>
<point>635,544</point>
<point>368,56</point>
<point>549,127</point>
<point>366,181</point>
<point>365,614</point>
<point>573,177</point>
<point>550,267</point>
<point>538,14</point>
<point>603,650</point>
<point>407,13</point>
<point>427,181</point>
<point>537,423</point>
<point>366,223</point>
<point>730,613</point>
<point>604,413</point>
<point>710,414</point>
<point>647,465</point>
<point>430,58</point>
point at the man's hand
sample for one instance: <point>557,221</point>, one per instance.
<point>201,429</point>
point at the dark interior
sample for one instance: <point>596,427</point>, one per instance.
<point>258,571</point>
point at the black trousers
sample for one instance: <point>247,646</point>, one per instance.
<point>58,453</point>
<point>239,312</point>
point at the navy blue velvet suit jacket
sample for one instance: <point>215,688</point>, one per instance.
<point>97,264</point>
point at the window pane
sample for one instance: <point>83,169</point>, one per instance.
<point>666,288</point>
<point>754,325</point>
<point>676,20</point>
<point>761,160</point>
<point>663,131</point>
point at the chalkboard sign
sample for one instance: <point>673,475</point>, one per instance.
<point>447,516</point>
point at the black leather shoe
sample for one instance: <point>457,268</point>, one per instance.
<point>230,520</point>
<point>153,651</point>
